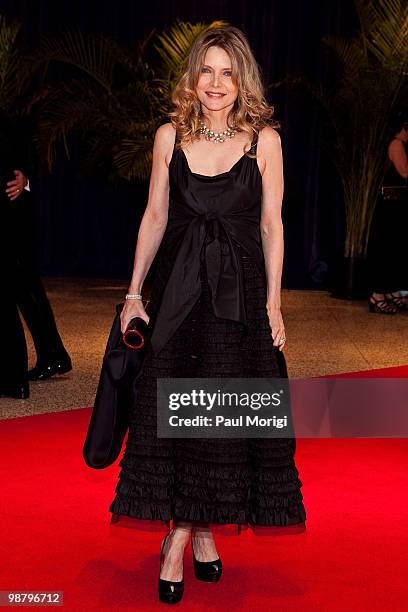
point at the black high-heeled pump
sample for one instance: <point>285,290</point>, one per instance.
<point>208,571</point>
<point>170,591</point>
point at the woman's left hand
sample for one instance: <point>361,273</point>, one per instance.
<point>277,326</point>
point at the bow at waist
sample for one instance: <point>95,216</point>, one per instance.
<point>205,237</point>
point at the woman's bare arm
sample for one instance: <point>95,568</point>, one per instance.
<point>154,221</point>
<point>270,153</point>
<point>398,156</point>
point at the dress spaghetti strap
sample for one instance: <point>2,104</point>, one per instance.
<point>254,143</point>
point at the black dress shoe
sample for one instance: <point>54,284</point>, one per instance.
<point>52,367</point>
<point>20,391</point>
<point>170,591</point>
<point>208,571</point>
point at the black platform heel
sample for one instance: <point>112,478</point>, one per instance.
<point>208,571</point>
<point>170,591</point>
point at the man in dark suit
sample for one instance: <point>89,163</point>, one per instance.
<point>22,286</point>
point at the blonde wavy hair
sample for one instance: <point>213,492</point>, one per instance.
<point>250,112</point>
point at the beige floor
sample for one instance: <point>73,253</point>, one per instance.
<point>325,336</point>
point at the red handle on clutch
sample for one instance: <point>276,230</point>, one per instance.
<point>133,337</point>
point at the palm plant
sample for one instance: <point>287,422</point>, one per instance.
<point>9,66</point>
<point>114,97</point>
<point>372,83</point>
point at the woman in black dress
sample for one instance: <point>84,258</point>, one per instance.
<point>387,255</point>
<point>214,217</point>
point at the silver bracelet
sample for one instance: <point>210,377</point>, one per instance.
<point>134,296</point>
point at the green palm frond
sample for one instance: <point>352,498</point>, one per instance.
<point>75,105</point>
<point>132,61</point>
<point>350,55</point>
<point>9,62</point>
<point>173,46</point>
<point>132,157</point>
<point>385,29</point>
<point>114,97</point>
<point>105,122</point>
<point>91,54</point>
<point>112,93</point>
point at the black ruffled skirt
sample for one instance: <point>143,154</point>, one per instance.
<point>229,484</point>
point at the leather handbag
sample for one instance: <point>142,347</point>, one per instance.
<point>121,368</point>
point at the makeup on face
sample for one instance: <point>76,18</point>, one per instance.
<point>215,81</point>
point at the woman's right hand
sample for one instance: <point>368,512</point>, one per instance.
<point>132,309</point>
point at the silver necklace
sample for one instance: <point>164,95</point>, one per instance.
<point>216,136</point>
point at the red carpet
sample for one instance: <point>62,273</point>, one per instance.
<point>394,372</point>
<point>55,531</point>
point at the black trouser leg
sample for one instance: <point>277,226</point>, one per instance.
<point>13,348</point>
<point>36,310</point>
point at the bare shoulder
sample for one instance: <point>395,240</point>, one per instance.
<point>269,147</point>
<point>164,141</point>
<point>165,132</point>
<point>268,138</point>
<point>396,146</point>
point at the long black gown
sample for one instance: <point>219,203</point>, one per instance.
<point>199,330</point>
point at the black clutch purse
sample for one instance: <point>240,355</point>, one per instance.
<point>397,192</point>
<point>124,362</point>
<point>121,367</point>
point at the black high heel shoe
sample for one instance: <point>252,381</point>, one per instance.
<point>170,591</point>
<point>208,571</point>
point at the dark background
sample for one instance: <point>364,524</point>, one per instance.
<point>88,226</point>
